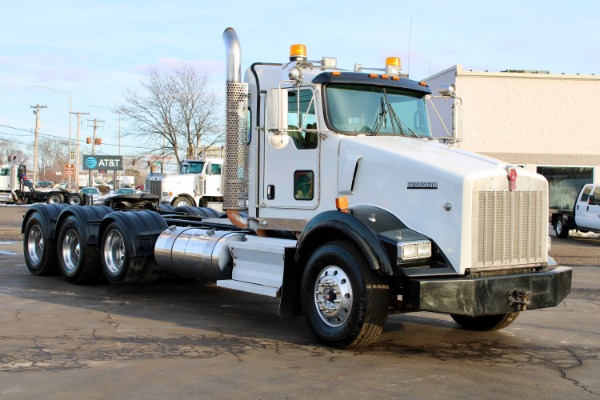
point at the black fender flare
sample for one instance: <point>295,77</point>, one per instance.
<point>363,225</point>
<point>89,218</point>
<point>49,214</point>
<point>142,228</point>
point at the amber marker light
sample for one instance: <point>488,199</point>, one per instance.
<point>373,75</point>
<point>336,73</point>
<point>423,83</point>
<point>341,203</point>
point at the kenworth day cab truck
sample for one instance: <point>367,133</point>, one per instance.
<point>583,216</point>
<point>339,202</point>
<point>16,189</point>
<point>199,182</point>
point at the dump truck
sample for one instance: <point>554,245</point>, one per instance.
<point>338,202</point>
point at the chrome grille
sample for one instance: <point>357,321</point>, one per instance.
<point>155,187</point>
<point>510,227</point>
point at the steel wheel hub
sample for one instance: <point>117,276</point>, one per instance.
<point>333,296</point>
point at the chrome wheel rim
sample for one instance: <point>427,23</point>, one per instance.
<point>35,244</point>
<point>71,251</point>
<point>114,252</point>
<point>333,296</point>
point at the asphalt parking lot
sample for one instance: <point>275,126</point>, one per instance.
<point>189,339</point>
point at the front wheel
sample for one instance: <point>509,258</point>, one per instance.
<point>486,322</point>
<point>344,303</point>
<point>184,201</point>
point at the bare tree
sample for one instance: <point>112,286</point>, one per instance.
<point>177,113</point>
<point>53,155</point>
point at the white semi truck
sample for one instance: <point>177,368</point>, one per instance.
<point>199,182</point>
<point>340,203</point>
<point>16,189</point>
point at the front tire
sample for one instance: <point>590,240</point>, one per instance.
<point>486,322</point>
<point>344,303</point>
<point>184,201</point>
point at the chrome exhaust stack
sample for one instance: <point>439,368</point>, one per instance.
<point>235,193</point>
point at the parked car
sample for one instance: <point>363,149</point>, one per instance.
<point>44,184</point>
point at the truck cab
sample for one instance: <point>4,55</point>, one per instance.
<point>587,208</point>
<point>199,183</point>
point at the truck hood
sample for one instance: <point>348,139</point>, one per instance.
<point>429,186</point>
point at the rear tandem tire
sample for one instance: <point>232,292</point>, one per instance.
<point>55,198</point>
<point>38,248</point>
<point>117,263</point>
<point>78,263</point>
<point>486,322</point>
<point>560,229</point>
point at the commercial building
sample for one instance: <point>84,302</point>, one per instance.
<point>549,123</point>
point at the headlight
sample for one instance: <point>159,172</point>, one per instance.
<point>414,250</point>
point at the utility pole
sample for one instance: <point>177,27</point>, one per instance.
<point>77,165</point>
<point>96,122</point>
<point>35,143</point>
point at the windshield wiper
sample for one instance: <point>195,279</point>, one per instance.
<point>396,119</point>
<point>380,120</point>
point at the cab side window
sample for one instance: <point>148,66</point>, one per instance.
<point>586,194</point>
<point>302,119</point>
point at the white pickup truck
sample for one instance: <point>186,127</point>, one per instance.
<point>585,215</point>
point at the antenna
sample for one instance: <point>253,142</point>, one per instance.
<point>409,37</point>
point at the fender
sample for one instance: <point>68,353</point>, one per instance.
<point>49,213</point>
<point>363,225</point>
<point>142,228</point>
<point>89,220</point>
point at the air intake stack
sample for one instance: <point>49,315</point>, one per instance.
<point>235,196</point>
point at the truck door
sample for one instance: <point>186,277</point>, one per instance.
<point>587,209</point>
<point>213,179</point>
<point>290,174</point>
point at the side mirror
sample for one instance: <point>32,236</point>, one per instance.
<point>277,117</point>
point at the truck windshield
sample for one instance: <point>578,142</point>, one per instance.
<point>191,168</point>
<point>376,110</point>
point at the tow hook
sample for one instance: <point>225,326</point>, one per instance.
<point>519,299</point>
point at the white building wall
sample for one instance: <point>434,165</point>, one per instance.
<point>525,118</point>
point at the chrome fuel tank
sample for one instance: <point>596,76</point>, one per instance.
<point>196,253</point>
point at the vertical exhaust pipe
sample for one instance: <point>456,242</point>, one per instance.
<point>235,193</point>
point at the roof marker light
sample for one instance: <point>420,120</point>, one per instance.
<point>393,66</point>
<point>297,52</point>
<point>336,73</point>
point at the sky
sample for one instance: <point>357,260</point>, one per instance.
<point>84,56</point>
